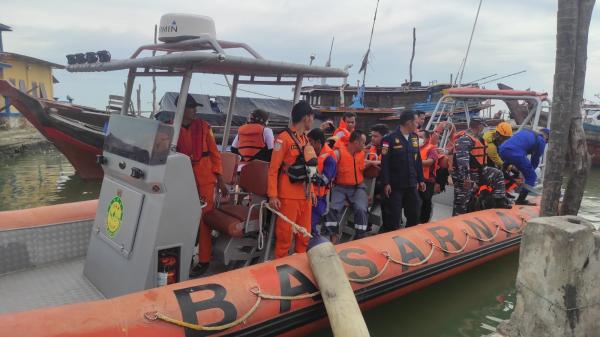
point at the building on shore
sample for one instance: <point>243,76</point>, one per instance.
<point>29,74</point>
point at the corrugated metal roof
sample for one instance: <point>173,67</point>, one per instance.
<point>4,55</point>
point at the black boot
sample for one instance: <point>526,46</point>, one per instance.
<point>199,270</point>
<point>502,203</point>
<point>522,199</point>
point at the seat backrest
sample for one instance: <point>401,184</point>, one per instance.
<point>254,177</point>
<point>229,162</point>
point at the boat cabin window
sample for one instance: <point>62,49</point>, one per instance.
<point>144,140</point>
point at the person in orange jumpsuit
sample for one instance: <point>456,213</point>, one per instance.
<point>197,141</point>
<point>285,195</point>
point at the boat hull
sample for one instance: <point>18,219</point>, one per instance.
<point>592,137</point>
<point>394,263</point>
<point>76,131</point>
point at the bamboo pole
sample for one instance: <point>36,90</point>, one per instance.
<point>344,314</point>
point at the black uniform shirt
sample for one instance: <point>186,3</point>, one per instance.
<point>401,165</point>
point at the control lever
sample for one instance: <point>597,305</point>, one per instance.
<point>101,160</point>
<point>137,173</point>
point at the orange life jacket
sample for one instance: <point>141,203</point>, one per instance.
<point>372,154</point>
<point>478,151</point>
<point>326,152</point>
<point>350,168</point>
<point>251,140</point>
<point>427,171</point>
<point>345,139</point>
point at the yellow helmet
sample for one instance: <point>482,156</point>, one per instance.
<point>504,129</point>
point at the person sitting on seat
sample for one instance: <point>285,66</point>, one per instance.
<point>254,139</point>
<point>349,186</point>
<point>515,151</point>
<point>197,141</point>
<point>342,134</point>
<point>471,172</point>
<point>326,169</point>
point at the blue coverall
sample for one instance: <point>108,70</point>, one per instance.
<point>515,150</point>
<point>323,179</point>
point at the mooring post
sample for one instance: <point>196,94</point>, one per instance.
<point>558,280</point>
<point>342,308</point>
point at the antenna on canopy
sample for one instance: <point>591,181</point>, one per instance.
<point>461,69</point>
<point>365,61</point>
<point>328,63</point>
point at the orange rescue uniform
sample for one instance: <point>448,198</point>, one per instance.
<point>198,142</point>
<point>294,202</point>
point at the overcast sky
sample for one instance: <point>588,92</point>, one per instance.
<point>511,35</point>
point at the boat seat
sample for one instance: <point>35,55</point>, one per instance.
<point>239,223</point>
<point>231,219</point>
<point>229,163</point>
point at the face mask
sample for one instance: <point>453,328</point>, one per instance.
<point>421,142</point>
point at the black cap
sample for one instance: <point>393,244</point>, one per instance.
<point>478,120</point>
<point>190,102</point>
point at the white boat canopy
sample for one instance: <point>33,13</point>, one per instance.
<point>207,55</point>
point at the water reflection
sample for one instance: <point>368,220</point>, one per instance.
<point>41,177</point>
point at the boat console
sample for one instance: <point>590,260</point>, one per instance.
<point>148,209</point>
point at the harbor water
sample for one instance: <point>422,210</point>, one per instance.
<point>469,304</point>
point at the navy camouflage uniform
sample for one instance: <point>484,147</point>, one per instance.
<point>402,169</point>
<point>467,167</point>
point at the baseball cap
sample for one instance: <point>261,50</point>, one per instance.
<point>190,102</point>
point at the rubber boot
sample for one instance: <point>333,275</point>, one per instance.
<point>522,199</point>
<point>502,203</point>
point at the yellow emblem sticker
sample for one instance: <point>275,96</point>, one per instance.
<point>114,216</point>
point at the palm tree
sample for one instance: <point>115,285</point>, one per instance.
<point>567,154</point>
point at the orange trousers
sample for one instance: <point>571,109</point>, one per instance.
<point>299,212</point>
<point>207,193</point>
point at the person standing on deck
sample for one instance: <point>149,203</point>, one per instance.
<point>378,132</point>
<point>197,141</point>
<point>515,151</point>
<point>254,139</point>
<point>470,170</point>
<point>342,134</point>
<point>349,186</point>
<point>326,170</point>
<point>429,158</point>
<point>402,171</point>
<point>288,181</point>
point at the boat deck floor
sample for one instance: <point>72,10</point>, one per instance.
<point>63,282</point>
<point>46,286</point>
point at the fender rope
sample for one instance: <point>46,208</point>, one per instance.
<point>155,315</point>
<point>295,227</point>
